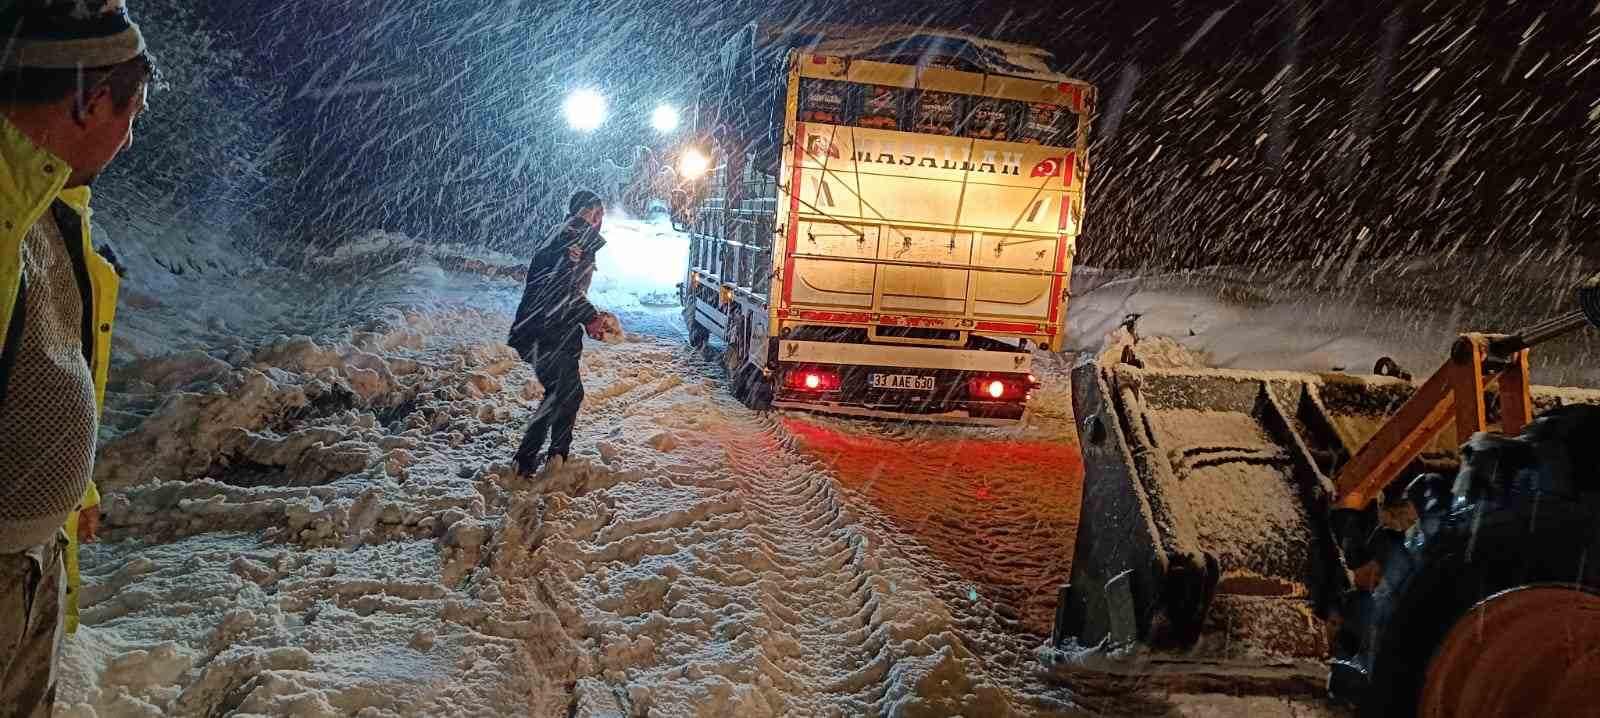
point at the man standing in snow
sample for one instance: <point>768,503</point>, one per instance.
<point>550,323</point>
<point>73,77</point>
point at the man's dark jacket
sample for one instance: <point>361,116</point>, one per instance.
<point>554,297</point>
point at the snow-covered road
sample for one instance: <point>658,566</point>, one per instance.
<point>326,525</point>
<point>328,530</point>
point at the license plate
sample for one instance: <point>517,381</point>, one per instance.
<point>909,382</point>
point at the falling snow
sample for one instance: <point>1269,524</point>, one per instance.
<point>323,228</point>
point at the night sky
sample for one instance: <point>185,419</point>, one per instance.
<point>1251,131</point>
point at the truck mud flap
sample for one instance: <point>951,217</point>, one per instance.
<point>711,317</point>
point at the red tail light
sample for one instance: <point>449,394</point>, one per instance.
<point>999,388</point>
<point>811,379</point>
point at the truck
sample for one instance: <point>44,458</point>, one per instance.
<point>882,224</point>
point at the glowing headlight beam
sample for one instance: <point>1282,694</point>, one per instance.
<point>665,118</point>
<point>693,164</point>
<point>585,110</point>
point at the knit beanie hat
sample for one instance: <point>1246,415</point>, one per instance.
<point>582,200</point>
<point>67,34</point>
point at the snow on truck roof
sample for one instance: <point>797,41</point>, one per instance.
<point>905,43</point>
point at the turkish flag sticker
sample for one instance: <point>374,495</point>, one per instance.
<point>1054,167</point>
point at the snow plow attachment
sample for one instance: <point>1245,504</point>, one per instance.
<point>1204,537</point>
<point>1205,544</point>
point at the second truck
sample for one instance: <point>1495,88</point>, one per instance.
<point>885,224</point>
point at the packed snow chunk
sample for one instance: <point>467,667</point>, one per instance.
<point>1151,352</point>
<point>940,685</point>
<point>176,371</point>
<point>181,440</point>
<point>594,699</point>
<point>276,693</point>
<point>665,442</point>
<point>322,463</point>
<point>484,382</point>
<point>234,668</point>
<point>136,682</point>
<point>142,669</point>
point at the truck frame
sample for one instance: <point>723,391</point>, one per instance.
<point>903,247</point>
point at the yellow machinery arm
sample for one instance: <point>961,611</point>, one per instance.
<point>1454,392</point>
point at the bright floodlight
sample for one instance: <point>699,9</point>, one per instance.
<point>585,110</point>
<point>665,119</point>
<point>692,164</point>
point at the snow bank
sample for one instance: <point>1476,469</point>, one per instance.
<point>1295,318</point>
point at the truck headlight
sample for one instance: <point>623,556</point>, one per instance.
<point>693,164</point>
<point>585,110</point>
<point>664,119</point>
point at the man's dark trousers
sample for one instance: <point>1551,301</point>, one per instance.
<point>557,368</point>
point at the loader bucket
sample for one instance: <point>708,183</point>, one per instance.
<point>1204,542</point>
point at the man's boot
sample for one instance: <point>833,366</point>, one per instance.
<point>526,468</point>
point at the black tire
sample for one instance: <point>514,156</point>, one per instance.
<point>752,388</point>
<point>745,380</point>
<point>1531,516</point>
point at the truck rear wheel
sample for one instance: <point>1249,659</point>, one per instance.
<point>752,388</point>
<point>745,380</point>
<point>1489,603</point>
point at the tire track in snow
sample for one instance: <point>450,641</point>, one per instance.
<point>826,596</point>
<point>718,572</point>
<point>800,490</point>
<point>987,517</point>
<point>1000,508</point>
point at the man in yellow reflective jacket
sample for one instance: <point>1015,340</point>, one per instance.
<point>73,77</point>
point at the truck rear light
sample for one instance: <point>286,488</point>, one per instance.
<point>999,388</point>
<point>811,379</point>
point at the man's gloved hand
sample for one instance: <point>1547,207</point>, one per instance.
<point>603,323</point>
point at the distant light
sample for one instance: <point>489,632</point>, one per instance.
<point>585,110</point>
<point>997,389</point>
<point>665,118</point>
<point>693,164</point>
<point>813,381</point>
